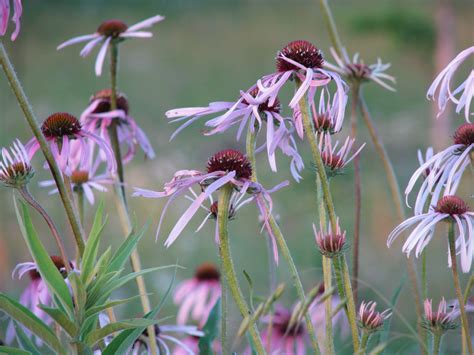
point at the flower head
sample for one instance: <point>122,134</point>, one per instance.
<point>197,296</point>
<point>325,117</point>
<point>283,337</point>
<point>166,334</point>
<point>438,321</point>
<point>443,171</point>
<point>36,293</point>
<point>249,111</point>
<point>70,143</point>
<point>355,70</point>
<point>108,31</point>
<point>334,160</point>
<point>225,167</point>
<point>5,14</point>
<point>330,243</point>
<point>450,208</point>
<point>371,320</point>
<point>441,89</point>
<point>99,116</point>
<point>15,166</point>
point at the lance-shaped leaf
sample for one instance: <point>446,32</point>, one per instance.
<point>211,330</point>
<point>62,319</point>
<point>30,321</point>
<point>98,334</point>
<point>48,271</point>
<point>24,340</point>
<point>13,351</point>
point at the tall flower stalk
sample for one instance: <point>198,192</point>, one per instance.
<point>457,287</point>
<point>282,246</point>
<point>120,197</point>
<point>53,165</point>
<point>228,266</point>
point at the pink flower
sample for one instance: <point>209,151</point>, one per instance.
<point>371,320</point>
<point>448,208</point>
<point>443,171</point>
<point>15,166</point>
<point>248,111</point>
<point>85,178</point>
<point>36,292</point>
<point>281,337</point>
<point>439,320</point>
<point>70,143</point>
<point>108,31</point>
<point>326,118</point>
<point>98,117</point>
<point>164,336</point>
<point>197,296</point>
<point>5,14</point>
<point>356,70</point>
<point>330,243</point>
<point>334,160</point>
<point>441,89</point>
<point>225,167</point>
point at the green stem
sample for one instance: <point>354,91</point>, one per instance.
<point>32,122</point>
<point>437,342</point>
<point>120,197</point>
<point>285,251</point>
<point>424,276</point>
<point>398,201</point>
<point>331,25</point>
<point>228,265</point>
<point>224,313</point>
<point>358,193</point>
<point>80,203</point>
<point>469,285</point>
<point>25,193</point>
<point>363,343</point>
<point>457,286</point>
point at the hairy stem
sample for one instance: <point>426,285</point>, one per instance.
<point>357,195</point>
<point>437,342</point>
<point>228,265</point>
<point>424,276</point>
<point>80,203</point>
<point>25,193</point>
<point>363,343</point>
<point>467,291</point>
<point>120,197</point>
<point>457,286</point>
<point>33,123</point>
<point>283,247</point>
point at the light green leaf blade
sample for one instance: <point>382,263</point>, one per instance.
<point>211,330</point>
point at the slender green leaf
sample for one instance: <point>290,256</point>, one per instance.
<point>98,334</point>
<point>24,340</point>
<point>49,272</point>
<point>122,255</point>
<point>24,316</point>
<point>97,309</point>
<point>12,351</point>
<point>62,319</point>
<point>79,292</point>
<point>122,342</point>
<point>211,330</point>
<point>92,245</point>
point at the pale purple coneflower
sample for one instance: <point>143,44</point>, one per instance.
<point>443,171</point>
<point>15,167</point>
<point>197,296</point>
<point>330,243</point>
<point>440,320</point>
<point>283,337</point>
<point>303,61</point>
<point>249,111</point>
<point>36,292</point>
<point>108,31</point>
<point>336,160</point>
<point>441,89</point>
<point>164,334</point>
<point>357,71</point>
<point>98,117</point>
<point>225,167</point>
<point>369,319</point>
<point>449,208</point>
<point>70,143</point>
<point>325,118</point>
<point>454,305</point>
<point>5,15</point>
<point>85,177</point>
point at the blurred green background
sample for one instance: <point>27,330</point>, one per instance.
<point>207,51</point>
